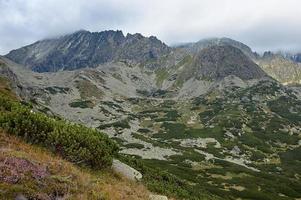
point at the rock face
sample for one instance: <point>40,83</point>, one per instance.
<point>126,170</point>
<point>205,43</point>
<point>217,62</point>
<point>87,49</point>
<point>283,69</point>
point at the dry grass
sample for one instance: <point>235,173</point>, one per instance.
<point>65,179</point>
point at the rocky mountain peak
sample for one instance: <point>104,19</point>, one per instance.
<point>136,36</point>
<point>204,43</point>
<point>87,49</point>
<point>220,61</point>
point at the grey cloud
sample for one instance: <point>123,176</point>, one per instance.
<point>262,24</point>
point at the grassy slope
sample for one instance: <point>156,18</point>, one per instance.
<point>63,178</point>
<point>39,174</point>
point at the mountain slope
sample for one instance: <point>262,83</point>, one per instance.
<point>28,171</point>
<point>216,145</point>
<point>282,69</point>
<point>84,49</point>
<point>197,46</point>
<point>87,49</point>
<point>217,62</point>
<point>34,173</point>
<point>208,124</point>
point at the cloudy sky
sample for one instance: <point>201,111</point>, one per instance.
<point>261,24</point>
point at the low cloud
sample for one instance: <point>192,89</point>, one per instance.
<point>261,24</point>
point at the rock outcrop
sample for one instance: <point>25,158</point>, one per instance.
<point>126,170</point>
<point>87,49</point>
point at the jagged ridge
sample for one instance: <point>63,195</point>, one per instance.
<point>87,49</point>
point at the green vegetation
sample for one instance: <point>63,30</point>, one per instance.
<point>33,171</point>
<point>143,130</point>
<point>82,104</point>
<point>161,76</point>
<point>57,90</point>
<point>163,182</point>
<point>88,90</point>
<point>288,108</point>
<point>134,145</point>
<point>118,124</point>
<point>256,120</point>
<point>242,143</point>
<point>74,142</point>
<point>36,173</point>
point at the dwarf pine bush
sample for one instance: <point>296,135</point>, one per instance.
<point>73,142</point>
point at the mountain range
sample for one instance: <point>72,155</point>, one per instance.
<point>89,49</point>
<point>220,119</point>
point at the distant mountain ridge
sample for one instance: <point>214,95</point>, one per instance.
<point>281,67</point>
<point>221,61</point>
<point>84,49</point>
<point>201,44</point>
<point>87,49</point>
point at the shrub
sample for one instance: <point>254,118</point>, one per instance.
<point>134,145</point>
<point>82,104</point>
<point>74,142</point>
<point>118,124</point>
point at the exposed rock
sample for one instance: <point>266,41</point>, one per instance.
<point>285,70</point>
<point>20,197</point>
<point>126,170</point>
<point>157,197</point>
<point>235,151</point>
<point>87,49</point>
<point>217,62</point>
<point>158,153</point>
<point>199,142</point>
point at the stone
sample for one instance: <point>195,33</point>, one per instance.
<point>20,197</point>
<point>125,170</point>
<point>157,197</point>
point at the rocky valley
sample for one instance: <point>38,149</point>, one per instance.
<point>216,120</point>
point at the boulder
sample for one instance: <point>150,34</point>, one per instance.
<point>157,197</point>
<point>126,170</point>
<point>20,197</point>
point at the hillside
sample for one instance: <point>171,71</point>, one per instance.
<point>281,68</point>
<point>204,124</point>
<point>218,62</point>
<point>31,171</point>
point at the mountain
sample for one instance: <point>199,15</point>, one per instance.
<point>192,141</point>
<point>195,47</point>
<point>217,62</point>
<point>281,68</point>
<point>87,49</point>
<point>198,123</point>
<point>284,67</point>
<point>296,57</point>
